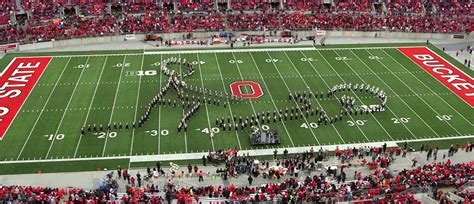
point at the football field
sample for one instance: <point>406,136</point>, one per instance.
<point>86,88</point>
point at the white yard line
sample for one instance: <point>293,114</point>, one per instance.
<point>334,70</point>
<point>424,84</point>
<point>436,112</point>
<point>136,106</point>
<point>205,104</point>
<point>289,90</point>
<point>90,105</point>
<point>159,108</point>
<point>376,120</point>
<point>271,98</point>
<point>42,109</point>
<point>309,88</point>
<point>113,105</point>
<point>324,81</point>
<point>242,79</point>
<point>404,102</point>
<point>185,133</point>
<point>67,106</point>
<point>257,152</point>
<point>388,88</point>
<point>261,49</point>
<point>228,103</point>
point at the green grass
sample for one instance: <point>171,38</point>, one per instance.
<point>65,166</point>
<point>412,92</point>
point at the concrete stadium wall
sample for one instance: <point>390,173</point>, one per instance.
<point>35,46</point>
<point>301,34</point>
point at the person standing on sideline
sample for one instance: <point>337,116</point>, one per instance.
<point>119,172</point>
<point>250,180</point>
<point>158,166</point>
<point>124,174</point>
<point>190,168</point>
<point>139,179</point>
<point>200,176</point>
<point>275,154</point>
<point>195,168</point>
<point>203,160</point>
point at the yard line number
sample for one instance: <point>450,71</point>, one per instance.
<point>157,64</point>
<point>400,120</point>
<point>343,58</point>
<point>103,135</point>
<point>373,57</point>
<point>309,125</point>
<point>82,66</point>
<point>308,59</point>
<point>272,60</point>
<point>214,130</point>
<point>444,117</point>
<point>55,137</point>
<point>154,133</point>
<point>120,65</point>
<point>356,122</point>
<point>236,61</point>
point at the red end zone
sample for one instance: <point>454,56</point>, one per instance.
<point>16,83</point>
<point>456,80</point>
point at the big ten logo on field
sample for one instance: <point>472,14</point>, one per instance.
<point>251,89</point>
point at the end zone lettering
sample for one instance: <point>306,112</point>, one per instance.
<point>16,83</point>
<point>457,81</point>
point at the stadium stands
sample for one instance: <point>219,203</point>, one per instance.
<point>60,20</point>
<point>381,185</point>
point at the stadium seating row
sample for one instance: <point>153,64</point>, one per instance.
<point>382,186</point>
<point>58,20</point>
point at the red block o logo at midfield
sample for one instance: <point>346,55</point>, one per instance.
<point>256,89</point>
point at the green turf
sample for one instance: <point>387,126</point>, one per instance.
<point>106,92</point>
<point>68,166</point>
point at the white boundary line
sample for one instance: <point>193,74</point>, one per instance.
<point>32,89</point>
<point>436,112</point>
<point>446,61</point>
<point>10,65</point>
<point>90,105</point>
<point>67,106</point>
<point>424,84</point>
<point>198,155</point>
<point>360,60</point>
<point>42,109</point>
<point>435,77</point>
<point>202,51</point>
<point>404,102</point>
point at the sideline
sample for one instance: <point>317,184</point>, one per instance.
<point>252,152</point>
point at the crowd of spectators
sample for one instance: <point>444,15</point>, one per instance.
<point>58,19</point>
<point>283,182</point>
